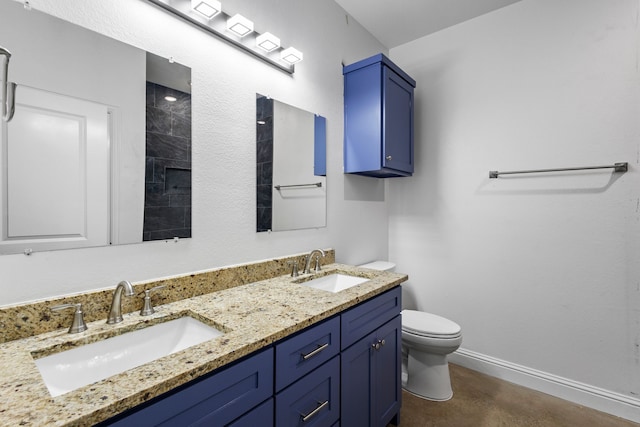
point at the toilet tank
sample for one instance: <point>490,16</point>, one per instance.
<point>380,265</point>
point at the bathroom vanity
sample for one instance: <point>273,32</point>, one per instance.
<point>288,352</point>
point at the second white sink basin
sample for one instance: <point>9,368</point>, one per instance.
<point>334,282</point>
<point>68,370</point>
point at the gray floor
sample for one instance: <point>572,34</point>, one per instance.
<point>483,401</point>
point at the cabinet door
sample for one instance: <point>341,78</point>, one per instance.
<point>397,146</point>
<point>386,393</point>
<point>371,369</point>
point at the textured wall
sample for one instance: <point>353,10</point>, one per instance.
<point>540,271</point>
<point>225,82</point>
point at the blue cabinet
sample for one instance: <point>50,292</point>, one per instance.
<point>313,400</point>
<point>378,119</point>
<point>302,353</point>
<point>215,400</point>
<point>370,389</point>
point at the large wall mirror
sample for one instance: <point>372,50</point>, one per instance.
<point>291,167</point>
<point>98,151</point>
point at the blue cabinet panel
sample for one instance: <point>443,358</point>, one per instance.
<point>378,119</point>
<point>386,396</point>
<point>368,316</point>
<point>261,416</point>
<point>213,401</point>
<point>371,387</point>
<point>314,400</point>
<point>355,385</point>
<point>306,351</point>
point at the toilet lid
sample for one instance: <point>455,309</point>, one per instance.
<point>427,324</point>
<point>379,265</point>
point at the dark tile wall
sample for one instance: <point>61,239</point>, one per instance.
<point>167,205</point>
<point>264,147</point>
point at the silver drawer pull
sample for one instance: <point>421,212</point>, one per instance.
<point>314,352</point>
<point>315,411</point>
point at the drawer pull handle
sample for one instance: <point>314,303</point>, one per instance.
<point>314,352</point>
<point>314,412</point>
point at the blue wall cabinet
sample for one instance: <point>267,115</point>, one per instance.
<point>378,118</point>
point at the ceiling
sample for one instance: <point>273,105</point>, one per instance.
<point>400,21</point>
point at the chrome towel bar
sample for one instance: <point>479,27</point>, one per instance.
<point>618,167</point>
<point>313,184</point>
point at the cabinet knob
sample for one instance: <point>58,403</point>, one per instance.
<point>389,158</point>
<point>378,344</point>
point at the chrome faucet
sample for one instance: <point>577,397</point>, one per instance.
<point>307,265</point>
<point>115,315</point>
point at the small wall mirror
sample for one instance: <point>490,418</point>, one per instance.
<point>291,167</point>
<point>99,149</point>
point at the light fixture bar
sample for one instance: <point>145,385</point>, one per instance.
<point>182,9</point>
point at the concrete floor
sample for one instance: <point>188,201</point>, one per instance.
<point>483,401</point>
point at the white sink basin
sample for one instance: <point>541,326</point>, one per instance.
<point>68,370</point>
<point>334,282</point>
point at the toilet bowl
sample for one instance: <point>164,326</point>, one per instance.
<point>427,339</point>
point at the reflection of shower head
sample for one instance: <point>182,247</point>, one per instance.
<point>5,52</point>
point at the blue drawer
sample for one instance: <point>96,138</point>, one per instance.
<point>215,400</point>
<point>312,401</point>
<point>299,355</point>
<point>370,315</point>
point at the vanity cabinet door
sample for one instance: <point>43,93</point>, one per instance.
<point>216,400</point>
<point>371,378</point>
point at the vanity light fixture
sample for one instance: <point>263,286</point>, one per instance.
<point>209,16</point>
<point>170,98</point>
<point>267,42</point>
<point>291,55</point>
<point>239,25</point>
<point>207,8</point>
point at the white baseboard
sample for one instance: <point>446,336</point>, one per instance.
<point>583,394</point>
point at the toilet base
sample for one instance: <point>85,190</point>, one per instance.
<point>427,376</point>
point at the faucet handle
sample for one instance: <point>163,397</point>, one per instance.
<point>78,324</point>
<point>294,268</point>
<point>147,308</point>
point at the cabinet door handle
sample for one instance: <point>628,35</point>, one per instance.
<point>314,352</point>
<point>314,412</point>
<point>389,158</point>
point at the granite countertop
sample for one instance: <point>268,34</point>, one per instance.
<point>252,316</point>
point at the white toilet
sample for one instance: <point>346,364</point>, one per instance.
<point>427,339</point>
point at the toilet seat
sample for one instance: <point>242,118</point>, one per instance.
<point>429,325</point>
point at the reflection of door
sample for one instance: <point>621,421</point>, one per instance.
<point>55,173</point>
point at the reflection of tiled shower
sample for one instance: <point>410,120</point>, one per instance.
<point>264,138</point>
<point>167,205</point>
